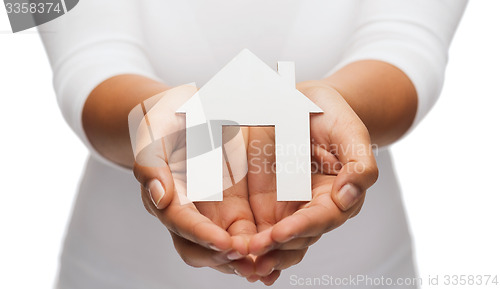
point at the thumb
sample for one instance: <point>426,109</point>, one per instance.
<point>155,177</point>
<point>359,170</point>
<point>241,232</point>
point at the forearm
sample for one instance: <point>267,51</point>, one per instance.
<point>105,114</point>
<point>382,96</point>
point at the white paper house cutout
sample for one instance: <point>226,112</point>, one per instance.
<point>248,92</point>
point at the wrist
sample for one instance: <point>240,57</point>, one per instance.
<point>323,88</point>
<point>105,114</point>
<point>382,96</point>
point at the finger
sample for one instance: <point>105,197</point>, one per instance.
<point>235,206</point>
<point>242,268</point>
<point>241,229</point>
<point>298,243</point>
<point>154,140</point>
<point>179,216</point>
<point>153,173</point>
<point>157,184</point>
<point>323,161</point>
<point>352,182</point>
<point>262,243</point>
<point>253,278</point>
<point>278,260</point>
<point>262,176</point>
<point>187,222</point>
<point>162,118</point>
<point>271,278</point>
<point>184,219</point>
<point>359,170</point>
<point>197,256</point>
<point>242,226</point>
<point>262,187</point>
<point>344,133</point>
<point>356,212</point>
<point>233,214</point>
<point>321,215</point>
<point>147,202</point>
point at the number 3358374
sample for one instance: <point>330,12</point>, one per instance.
<point>32,8</point>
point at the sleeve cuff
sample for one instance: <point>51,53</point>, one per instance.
<point>83,72</point>
<point>427,76</point>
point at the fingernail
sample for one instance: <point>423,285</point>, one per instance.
<point>234,255</point>
<point>235,270</point>
<point>347,196</point>
<point>265,250</point>
<point>238,273</point>
<point>213,247</point>
<point>269,273</point>
<point>253,278</point>
<point>289,239</point>
<point>156,191</point>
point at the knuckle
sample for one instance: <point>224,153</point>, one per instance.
<point>314,240</point>
<point>148,209</point>
<point>146,201</point>
<point>311,240</point>
<point>188,260</point>
<point>187,251</point>
<point>312,88</point>
<point>302,255</point>
<point>356,211</point>
<point>139,174</point>
<point>307,242</point>
<point>334,221</point>
<point>354,214</point>
<point>299,256</point>
<point>137,171</point>
<point>172,227</point>
<point>363,130</point>
<point>191,263</point>
<point>372,172</point>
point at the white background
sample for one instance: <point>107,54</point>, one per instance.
<point>449,167</point>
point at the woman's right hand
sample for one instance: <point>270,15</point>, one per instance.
<point>205,234</point>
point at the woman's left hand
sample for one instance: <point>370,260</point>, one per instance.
<point>344,167</point>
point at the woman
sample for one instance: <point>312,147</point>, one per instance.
<point>374,67</point>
